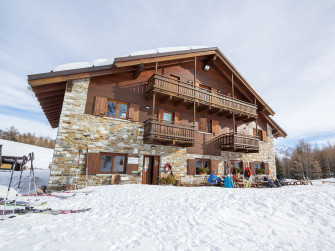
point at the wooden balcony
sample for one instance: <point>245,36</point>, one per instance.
<point>238,142</point>
<point>169,133</point>
<point>186,92</point>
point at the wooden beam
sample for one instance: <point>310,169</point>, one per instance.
<point>159,58</point>
<point>211,59</point>
<point>242,117</point>
<point>179,102</point>
<point>138,71</point>
<point>52,103</point>
<point>213,110</point>
<point>247,120</point>
<point>224,113</point>
<point>49,94</point>
<point>52,108</point>
<point>202,108</point>
<point>48,88</point>
<point>53,98</point>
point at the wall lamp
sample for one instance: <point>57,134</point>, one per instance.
<point>206,68</point>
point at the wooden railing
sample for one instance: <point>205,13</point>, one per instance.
<point>169,131</point>
<point>239,142</point>
<point>189,92</point>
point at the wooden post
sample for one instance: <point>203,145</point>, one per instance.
<point>156,68</point>
<point>153,105</point>
<point>195,79</point>
<point>232,92</point>
<point>256,120</point>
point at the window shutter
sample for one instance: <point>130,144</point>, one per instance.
<point>134,112</point>
<point>176,117</point>
<point>202,124</point>
<point>214,90</point>
<point>215,127</point>
<point>94,163</point>
<point>255,132</point>
<point>100,106</point>
<point>264,136</point>
<point>227,165</point>
<point>196,84</point>
<point>252,167</point>
<point>215,166</point>
<point>244,165</point>
<point>191,167</point>
<point>266,167</point>
<point>160,114</point>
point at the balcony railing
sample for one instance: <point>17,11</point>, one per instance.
<point>165,85</point>
<point>173,133</point>
<point>239,142</point>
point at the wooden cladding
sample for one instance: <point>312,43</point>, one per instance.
<point>134,112</point>
<point>169,132</point>
<point>190,93</point>
<point>239,142</point>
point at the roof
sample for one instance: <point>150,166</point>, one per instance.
<point>49,87</point>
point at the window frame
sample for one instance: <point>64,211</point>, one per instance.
<point>113,161</point>
<point>117,108</point>
<point>172,115</point>
<point>209,126</point>
<point>202,160</point>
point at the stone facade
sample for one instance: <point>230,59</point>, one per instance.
<point>79,130</point>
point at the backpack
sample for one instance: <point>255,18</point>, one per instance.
<point>270,184</point>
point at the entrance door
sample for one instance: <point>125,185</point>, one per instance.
<point>150,170</point>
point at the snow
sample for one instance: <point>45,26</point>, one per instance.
<point>43,156</point>
<point>109,61</point>
<point>283,151</point>
<point>144,217</point>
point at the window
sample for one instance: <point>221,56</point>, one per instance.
<point>204,88</point>
<point>117,109</point>
<point>202,166</point>
<point>259,167</point>
<point>113,163</point>
<point>209,126</point>
<point>168,117</point>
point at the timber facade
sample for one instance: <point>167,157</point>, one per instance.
<point>187,109</point>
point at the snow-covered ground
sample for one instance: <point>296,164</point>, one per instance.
<point>144,217</point>
<point>43,156</point>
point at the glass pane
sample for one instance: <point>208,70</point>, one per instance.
<point>198,164</point>
<point>205,163</point>
<point>119,164</point>
<point>111,109</point>
<point>106,163</point>
<point>237,165</point>
<point>167,116</point>
<point>122,111</point>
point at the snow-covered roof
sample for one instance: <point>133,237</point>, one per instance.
<point>109,61</point>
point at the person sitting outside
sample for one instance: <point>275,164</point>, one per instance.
<point>247,173</point>
<point>213,179</point>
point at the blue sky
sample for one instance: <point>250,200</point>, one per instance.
<point>285,49</point>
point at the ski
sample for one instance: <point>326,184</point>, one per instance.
<point>63,196</point>
<point>44,211</point>
<point>22,203</point>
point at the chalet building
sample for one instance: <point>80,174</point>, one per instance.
<point>188,108</point>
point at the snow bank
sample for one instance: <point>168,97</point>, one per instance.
<point>144,217</point>
<point>109,61</point>
<point>43,156</point>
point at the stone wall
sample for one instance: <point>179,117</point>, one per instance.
<point>78,130</point>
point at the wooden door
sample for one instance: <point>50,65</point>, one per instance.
<point>155,172</point>
<point>147,170</point>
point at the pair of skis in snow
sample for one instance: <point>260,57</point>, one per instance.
<point>29,210</point>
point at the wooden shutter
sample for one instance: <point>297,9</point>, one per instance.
<point>191,167</point>
<point>255,132</point>
<point>215,127</point>
<point>100,104</point>
<point>266,167</point>
<point>160,114</point>
<point>196,84</point>
<point>244,165</point>
<point>94,163</point>
<point>134,112</point>
<point>214,90</point>
<point>252,167</point>
<point>176,117</point>
<point>227,165</point>
<point>264,136</point>
<point>215,166</point>
<point>202,124</point>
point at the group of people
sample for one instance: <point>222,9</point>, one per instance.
<point>214,179</point>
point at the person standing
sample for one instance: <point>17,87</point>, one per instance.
<point>247,173</point>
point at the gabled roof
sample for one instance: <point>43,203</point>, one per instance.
<point>45,84</point>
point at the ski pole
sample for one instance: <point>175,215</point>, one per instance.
<point>30,173</point>
<point>86,168</point>
<point>75,186</point>
<point>24,161</point>
<point>32,168</point>
<point>10,183</point>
